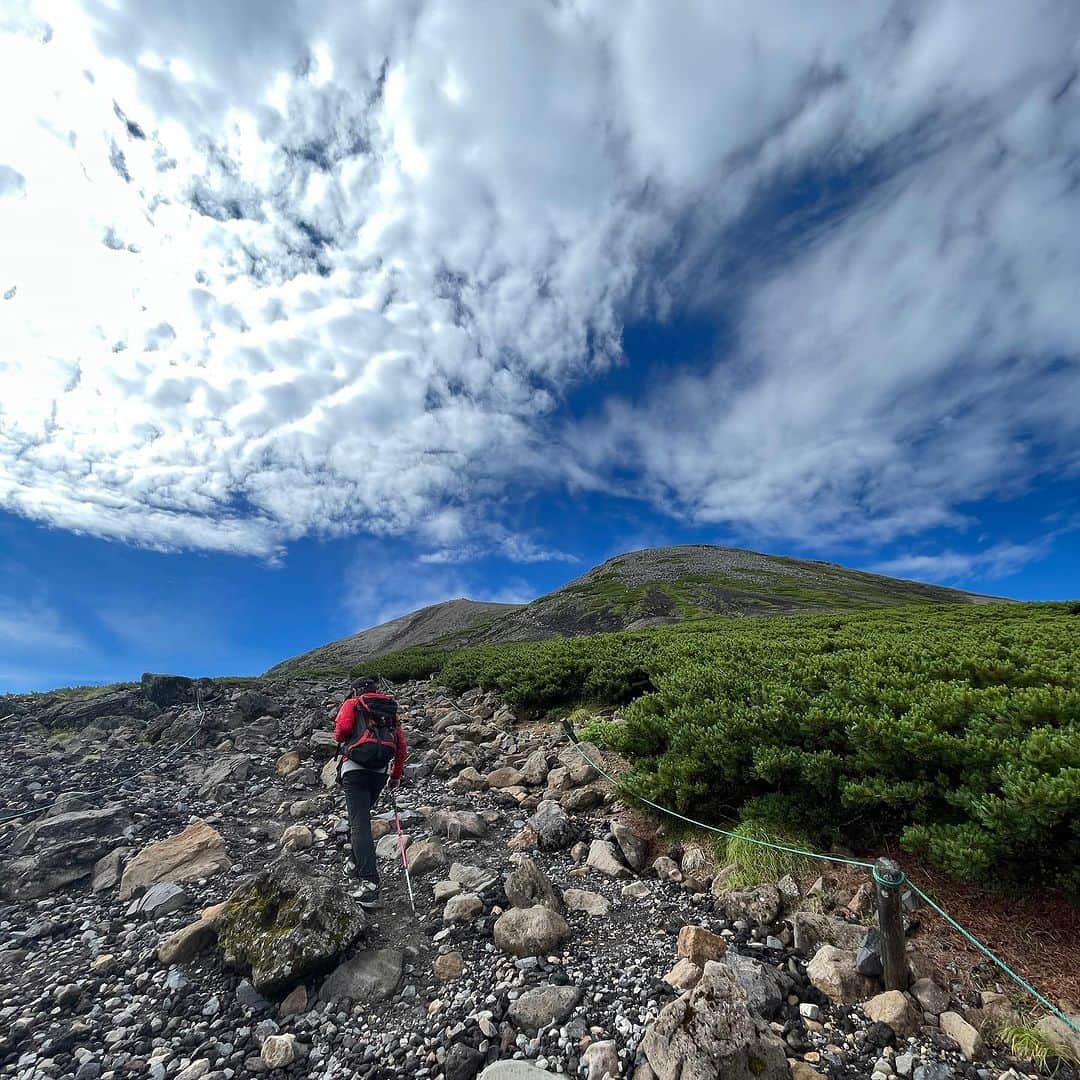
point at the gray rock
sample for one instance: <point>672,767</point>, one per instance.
<point>602,857</point>
<point>601,1061</point>
<point>635,850</point>
<point>462,908</point>
<point>426,855</point>
<point>370,976</point>
<point>531,931</point>
<point>473,878</point>
<point>833,972</point>
<point>761,983</point>
<point>462,1062</point>
<point>1060,1036</point>
<point>543,1006</point>
<point>933,1070</point>
<point>527,885</point>
<point>514,1070</point>
<point>458,824</point>
<point>108,822</point>
<point>868,959</point>
<point>758,904</point>
<point>589,902</point>
<point>580,800</point>
<point>931,997</point>
<point>811,930</point>
<point>965,1035</point>
<point>552,826</point>
<point>711,1031</point>
<point>108,869</point>
<point>253,704</point>
<point>161,899</point>
<point>534,771</point>
<point>578,769</point>
<point>165,690</point>
<point>288,923</point>
<point>667,869</point>
<point>229,770</point>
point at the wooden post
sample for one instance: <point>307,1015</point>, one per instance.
<point>888,881</point>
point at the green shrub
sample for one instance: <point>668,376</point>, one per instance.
<point>955,729</point>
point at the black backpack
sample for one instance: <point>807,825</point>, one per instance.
<point>375,734</point>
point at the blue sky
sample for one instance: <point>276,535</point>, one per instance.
<point>316,313</point>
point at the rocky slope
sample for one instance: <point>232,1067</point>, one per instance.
<point>452,617</point>
<point>186,917</point>
<point>638,589</point>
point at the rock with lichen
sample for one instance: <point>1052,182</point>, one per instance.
<point>288,923</point>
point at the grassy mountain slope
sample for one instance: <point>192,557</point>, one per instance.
<point>667,585</point>
<point>417,628</point>
<point>635,590</point>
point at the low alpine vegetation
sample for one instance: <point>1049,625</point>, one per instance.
<point>956,729</point>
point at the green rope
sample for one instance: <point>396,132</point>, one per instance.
<point>712,828</point>
<point>889,882</point>
<point>997,960</point>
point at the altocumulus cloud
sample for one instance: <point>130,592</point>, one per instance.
<point>280,267</point>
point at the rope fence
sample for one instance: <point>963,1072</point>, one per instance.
<point>891,883</point>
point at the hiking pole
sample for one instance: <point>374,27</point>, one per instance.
<point>401,849</point>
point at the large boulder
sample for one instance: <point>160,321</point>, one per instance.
<point>251,704</point>
<point>711,1031</point>
<point>552,825</point>
<point>370,976</point>
<point>165,690</point>
<point>79,712</point>
<point>543,1006</point>
<point>109,821</point>
<point>197,852</point>
<point>30,877</point>
<point>527,885</point>
<point>532,931</point>
<point>288,923</point>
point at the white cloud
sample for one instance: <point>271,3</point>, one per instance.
<point>381,586</point>
<point>287,268</point>
<point>997,561</point>
<point>31,629</point>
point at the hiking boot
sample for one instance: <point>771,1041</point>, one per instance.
<point>368,895</point>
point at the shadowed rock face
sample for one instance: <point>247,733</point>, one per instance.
<point>636,590</point>
<point>288,923</point>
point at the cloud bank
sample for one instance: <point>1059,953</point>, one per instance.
<point>283,269</point>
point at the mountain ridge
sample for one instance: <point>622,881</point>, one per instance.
<point>635,589</point>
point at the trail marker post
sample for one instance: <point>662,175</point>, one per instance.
<point>888,882</point>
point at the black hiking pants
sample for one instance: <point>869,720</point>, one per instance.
<point>362,791</point>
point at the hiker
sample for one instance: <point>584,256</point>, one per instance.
<point>372,757</point>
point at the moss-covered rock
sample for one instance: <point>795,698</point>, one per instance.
<point>288,923</point>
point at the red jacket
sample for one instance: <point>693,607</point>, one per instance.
<point>346,722</point>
